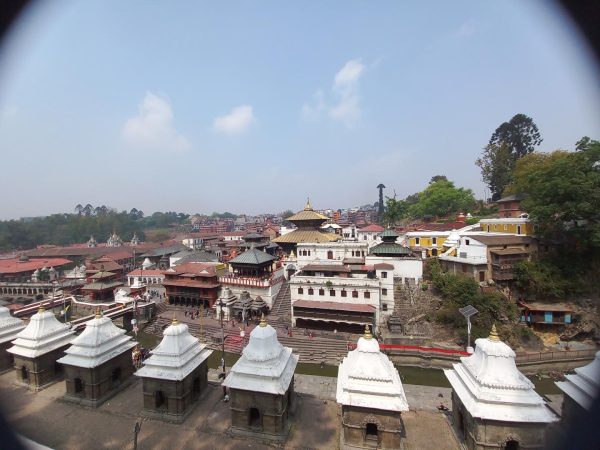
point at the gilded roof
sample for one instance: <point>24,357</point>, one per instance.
<point>298,236</point>
<point>307,214</point>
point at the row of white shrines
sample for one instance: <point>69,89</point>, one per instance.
<point>493,404</point>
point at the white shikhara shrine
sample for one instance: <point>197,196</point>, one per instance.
<point>491,387</point>
<point>9,326</point>
<point>583,386</point>
<point>265,365</point>
<point>43,334</point>
<point>368,379</point>
<point>177,355</point>
<point>100,341</point>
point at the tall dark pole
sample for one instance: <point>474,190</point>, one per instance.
<point>221,304</point>
<point>380,209</point>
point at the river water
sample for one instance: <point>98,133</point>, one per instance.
<point>408,374</point>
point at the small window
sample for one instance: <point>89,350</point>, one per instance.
<point>384,291</point>
<point>434,241</point>
<point>344,293</point>
<point>505,227</point>
<point>78,385</point>
<point>332,293</point>
<point>488,228</point>
<point>354,294</point>
<point>159,399</point>
<point>384,307</point>
<point>300,291</point>
<point>365,238</point>
<point>383,274</point>
<point>417,241</point>
<point>311,291</point>
<point>367,294</point>
<point>467,241</point>
<point>321,291</point>
<point>329,254</point>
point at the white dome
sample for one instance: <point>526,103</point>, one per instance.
<point>453,239</point>
<point>263,344</point>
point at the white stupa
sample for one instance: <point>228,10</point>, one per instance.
<point>490,386</point>
<point>584,385</point>
<point>43,334</point>
<point>452,240</point>
<point>177,355</point>
<point>9,326</point>
<point>265,365</point>
<point>100,341</point>
<point>368,379</point>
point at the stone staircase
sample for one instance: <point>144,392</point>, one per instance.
<point>281,312</point>
<point>408,315</point>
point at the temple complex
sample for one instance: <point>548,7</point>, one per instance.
<point>98,363</point>
<point>580,389</point>
<point>9,328</point>
<point>101,285</point>
<point>175,376</point>
<point>37,348</point>
<point>261,386</point>
<point>493,404</point>
<point>372,398</point>
<point>308,223</point>
<point>193,284</point>
<point>254,273</point>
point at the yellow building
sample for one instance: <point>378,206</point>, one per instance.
<point>430,242</point>
<point>510,225</point>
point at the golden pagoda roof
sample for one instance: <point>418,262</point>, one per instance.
<point>298,236</point>
<point>308,213</point>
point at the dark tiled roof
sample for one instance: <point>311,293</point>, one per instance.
<point>253,256</point>
<point>390,248</point>
<point>389,233</point>
<point>326,268</point>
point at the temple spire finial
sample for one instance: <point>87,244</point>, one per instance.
<point>308,206</point>
<point>494,336</point>
<point>263,321</point>
<point>368,334</point>
<point>98,313</point>
<point>175,321</point>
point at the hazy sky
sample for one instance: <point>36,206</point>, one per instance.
<point>251,106</point>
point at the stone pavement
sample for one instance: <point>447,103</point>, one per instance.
<point>45,418</point>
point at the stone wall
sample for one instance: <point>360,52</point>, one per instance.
<point>369,428</point>
<point>172,400</point>
<point>489,434</point>
<point>97,384</point>
<point>38,372</point>
<point>270,415</point>
<point>6,359</point>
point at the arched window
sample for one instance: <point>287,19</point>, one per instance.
<point>512,445</point>
<point>371,432</point>
<point>330,254</point>
<point>254,418</point>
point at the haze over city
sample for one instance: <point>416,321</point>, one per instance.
<point>253,107</point>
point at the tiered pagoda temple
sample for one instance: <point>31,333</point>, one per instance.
<point>308,223</point>
<point>372,398</point>
<point>98,363</point>
<point>261,386</point>
<point>37,348</point>
<point>493,404</point>
<point>580,389</point>
<point>175,376</point>
<point>9,328</point>
<point>389,247</point>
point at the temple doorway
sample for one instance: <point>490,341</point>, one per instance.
<point>372,432</point>
<point>254,418</point>
<point>512,445</point>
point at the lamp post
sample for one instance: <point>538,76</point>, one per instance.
<point>221,305</point>
<point>468,311</point>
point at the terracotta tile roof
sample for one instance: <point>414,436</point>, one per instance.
<point>558,307</point>
<point>198,269</point>
<point>372,228</point>
<point>14,265</point>
<point>384,266</point>
<point>146,272</point>
<point>333,306</point>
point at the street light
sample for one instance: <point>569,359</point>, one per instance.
<point>468,311</point>
<point>221,305</point>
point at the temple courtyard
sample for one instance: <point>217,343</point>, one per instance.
<point>47,419</point>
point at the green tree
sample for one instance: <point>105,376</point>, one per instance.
<point>442,198</point>
<point>497,165</point>
<point>563,195</point>
<point>395,210</point>
<point>520,133</point>
<point>438,178</point>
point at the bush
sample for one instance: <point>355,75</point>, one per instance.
<point>424,286</point>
